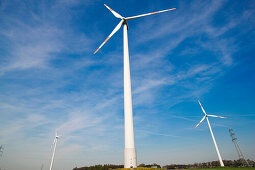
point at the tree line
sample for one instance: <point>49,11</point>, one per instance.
<point>212,164</point>
<point>100,167</point>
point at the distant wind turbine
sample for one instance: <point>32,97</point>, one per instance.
<point>1,150</point>
<point>54,148</point>
<point>129,151</point>
<point>214,141</point>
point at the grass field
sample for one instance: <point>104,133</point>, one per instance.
<point>225,168</point>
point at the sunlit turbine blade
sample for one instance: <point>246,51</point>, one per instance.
<point>113,12</point>
<point>58,136</point>
<point>200,121</point>
<point>53,142</point>
<point>216,116</point>
<point>138,16</point>
<point>113,32</point>
<point>202,107</point>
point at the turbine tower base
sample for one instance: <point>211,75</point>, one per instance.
<point>130,158</point>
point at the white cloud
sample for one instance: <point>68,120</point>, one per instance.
<point>83,97</point>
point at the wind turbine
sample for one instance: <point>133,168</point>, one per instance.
<point>214,141</point>
<point>129,151</point>
<point>1,150</point>
<point>54,149</point>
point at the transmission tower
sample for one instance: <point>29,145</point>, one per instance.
<point>239,152</point>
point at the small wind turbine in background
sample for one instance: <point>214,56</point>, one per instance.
<point>1,150</point>
<point>129,151</point>
<point>214,141</point>
<point>54,148</point>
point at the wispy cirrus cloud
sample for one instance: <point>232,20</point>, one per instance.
<point>50,78</point>
<point>35,41</point>
<point>197,20</point>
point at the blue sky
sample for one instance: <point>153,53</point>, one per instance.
<point>50,79</point>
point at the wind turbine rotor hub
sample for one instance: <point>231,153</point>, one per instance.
<point>125,22</point>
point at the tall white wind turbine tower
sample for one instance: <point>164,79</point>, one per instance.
<point>129,151</point>
<point>214,141</point>
<point>54,149</point>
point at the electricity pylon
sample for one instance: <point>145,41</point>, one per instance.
<point>239,152</point>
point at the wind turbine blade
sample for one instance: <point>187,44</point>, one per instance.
<point>56,133</point>
<point>138,16</point>
<point>202,107</point>
<point>113,12</point>
<point>200,121</point>
<point>58,136</point>
<point>216,116</point>
<point>113,32</point>
<point>53,142</point>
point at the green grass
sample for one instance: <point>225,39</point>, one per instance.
<point>225,168</point>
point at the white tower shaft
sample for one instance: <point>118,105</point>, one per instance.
<point>215,144</point>
<point>129,151</point>
<point>53,155</point>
